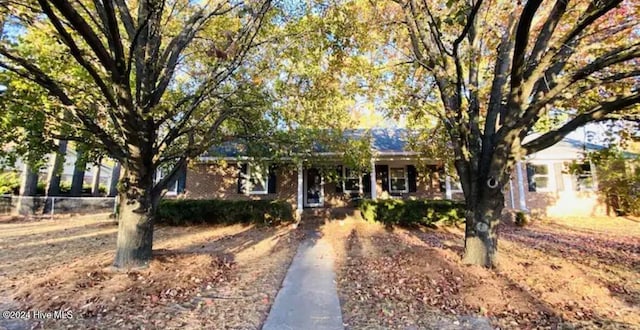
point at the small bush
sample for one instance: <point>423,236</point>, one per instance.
<point>521,219</point>
<point>177,212</point>
<point>41,188</point>
<point>9,183</point>
<point>412,212</point>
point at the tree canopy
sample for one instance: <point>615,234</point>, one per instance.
<point>155,83</point>
<point>492,71</point>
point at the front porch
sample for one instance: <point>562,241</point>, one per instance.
<point>401,178</point>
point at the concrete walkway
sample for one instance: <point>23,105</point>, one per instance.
<point>308,298</point>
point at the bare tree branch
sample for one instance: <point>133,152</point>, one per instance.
<point>84,29</point>
<point>125,17</point>
<point>471,19</point>
<point>542,42</point>
<point>599,112</point>
<point>519,50</point>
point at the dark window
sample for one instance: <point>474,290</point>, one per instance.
<point>538,176</point>
<point>351,180</point>
<point>398,179</point>
<point>584,178</point>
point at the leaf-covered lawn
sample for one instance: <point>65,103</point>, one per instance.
<point>564,272</point>
<point>200,277</point>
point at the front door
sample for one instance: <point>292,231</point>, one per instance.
<point>314,188</point>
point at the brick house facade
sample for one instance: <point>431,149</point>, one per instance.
<point>540,183</point>
<point>225,179</point>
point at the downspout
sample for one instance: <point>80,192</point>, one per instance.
<point>374,191</point>
<point>522,200</point>
<point>300,191</point>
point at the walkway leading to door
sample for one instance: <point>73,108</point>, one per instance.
<point>308,298</point>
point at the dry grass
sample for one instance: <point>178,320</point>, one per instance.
<point>564,272</point>
<point>201,277</point>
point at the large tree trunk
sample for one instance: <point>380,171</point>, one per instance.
<point>482,218</point>
<point>57,166</point>
<point>137,208</point>
<point>95,183</point>
<point>113,180</point>
<point>77,181</point>
<point>27,204</point>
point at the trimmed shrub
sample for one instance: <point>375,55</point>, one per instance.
<point>521,219</point>
<point>412,212</point>
<point>178,212</point>
<point>65,189</point>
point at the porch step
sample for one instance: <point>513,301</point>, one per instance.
<point>314,218</point>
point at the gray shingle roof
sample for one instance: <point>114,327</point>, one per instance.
<point>384,140</point>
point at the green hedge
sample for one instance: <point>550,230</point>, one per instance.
<point>9,183</point>
<point>412,212</point>
<point>65,189</point>
<point>178,212</point>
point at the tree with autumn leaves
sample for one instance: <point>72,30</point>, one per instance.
<point>147,94</point>
<point>492,70</point>
<point>162,81</point>
<point>153,84</point>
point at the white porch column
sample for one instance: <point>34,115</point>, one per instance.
<point>513,206</point>
<point>373,179</point>
<point>300,189</point>
<point>521,199</point>
<point>447,187</point>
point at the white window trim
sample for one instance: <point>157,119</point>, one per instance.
<point>592,171</point>
<point>454,185</point>
<point>248,187</point>
<point>171,191</point>
<point>406,179</point>
<point>306,189</point>
<point>344,181</point>
<point>551,186</point>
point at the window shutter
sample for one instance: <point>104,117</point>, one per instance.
<point>382,172</point>
<point>272,179</point>
<point>339,182</point>
<point>182,179</point>
<point>366,183</point>
<point>412,176</point>
<point>530,181</point>
<point>241,174</point>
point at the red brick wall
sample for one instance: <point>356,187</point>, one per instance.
<point>427,186</point>
<point>220,181</point>
<point>208,181</point>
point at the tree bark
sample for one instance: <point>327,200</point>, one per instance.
<point>481,236</point>
<point>113,181</point>
<point>95,183</point>
<point>77,180</point>
<point>29,181</point>
<point>28,189</point>
<point>53,179</point>
<point>136,214</point>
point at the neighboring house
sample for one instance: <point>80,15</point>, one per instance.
<point>67,170</point>
<point>540,184</point>
<point>543,185</point>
